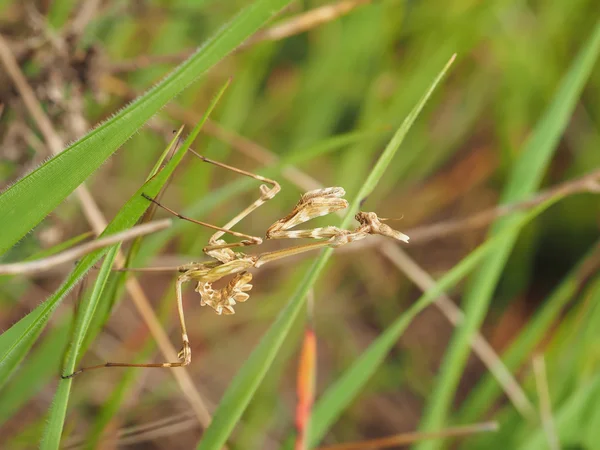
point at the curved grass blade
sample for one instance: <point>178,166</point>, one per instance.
<point>247,380</point>
<point>524,180</point>
<point>29,200</point>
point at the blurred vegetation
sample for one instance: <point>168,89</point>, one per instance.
<point>327,100</point>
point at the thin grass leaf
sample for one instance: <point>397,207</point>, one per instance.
<point>38,369</point>
<point>487,391</point>
<point>524,180</point>
<point>569,416</point>
<point>248,378</point>
<point>30,199</point>
<point>347,387</point>
<point>58,409</point>
<point>17,340</point>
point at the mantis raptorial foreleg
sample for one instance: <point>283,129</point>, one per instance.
<point>319,202</point>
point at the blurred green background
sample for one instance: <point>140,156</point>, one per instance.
<point>331,97</point>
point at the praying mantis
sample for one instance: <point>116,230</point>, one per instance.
<point>227,262</point>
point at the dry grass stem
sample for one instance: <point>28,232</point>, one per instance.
<point>481,347</point>
<point>72,254</point>
<point>410,438</point>
<point>541,384</point>
<point>306,21</point>
<point>587,183</point>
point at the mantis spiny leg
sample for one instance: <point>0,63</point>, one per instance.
<point>319,202</point>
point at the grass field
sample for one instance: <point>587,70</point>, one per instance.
<point>489,160</point>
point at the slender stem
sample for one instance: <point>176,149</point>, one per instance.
<point>541,383</point>
<point>587,183</point>
<point>409,438</point>
<point>72,254</point>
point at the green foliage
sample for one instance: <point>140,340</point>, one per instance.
<point>524,179</point>
<point>518,114</point>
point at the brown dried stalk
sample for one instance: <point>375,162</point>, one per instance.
<point>72,254</point>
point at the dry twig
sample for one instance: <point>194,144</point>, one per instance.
<point>72,254</point>
<point>587,183</point>
<point>541,384</point>
<point>411,438</point>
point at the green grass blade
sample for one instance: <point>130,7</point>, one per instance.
<point>30,199</point>
<point>524,180</point>
<point>390,151</point>
<point>570,416</point>
<point>38,369</point>
<point>248,378</point>
<point>17,340</point>
<point>58,410</point>
<point>347,387</point>
<point>487,391</point>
